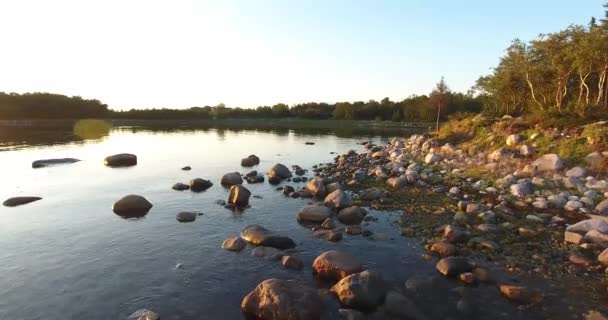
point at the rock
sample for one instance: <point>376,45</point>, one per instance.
<point>573,205</point>
<point>180,186</point>
<point>595,159</point>
<point>292,262</point>
<point>352,215</point>
<point>132,206</point>
<point>316,187</point>
<point>121,160</point>
<point>483,275</point>
<point>199,185</point>
<point>467,277</point>
<point>250,161</point>
<point>372,194</point>
<point>314,214</point>
<point>453,266</point>
<point>602,207</point>
<point>602,258</point>
<point>585,226</point>
<point>521,189</point>
<point>49,162</point>
<point>573,237</point>
<point>144,314</point>
<point>353,230</point>
<point>267,253</point>
<point>396,182</point>
<point>261,236</point>
<point>520,294</point>
<point>239,196</point>
<point>287,190</point>
<point>474,208</point>
<point>335,265</point>
<point>351,314</point>
<point>187,168</point>
<point>234,244</point>
<point>256,179</point>
<point>329,235</point>
<point>452,234</point>
<point>443,249</point>
<point>338,199</point>
<point>328,224</point>
<point>231,179</point>
<point>527,150</point>
<point>499,155</point>
<point>17,201</point>
<point>363,291</point>
<point>276,299</point>
<point>513,140</point>
<point>333,187</point>
<point>280,171</point>
<point>432,158</point>
<point>594,236</point>
<point>186,216</point>
<point>576,172</point>
<point>274,180</point>
<point>548,162</point>
<point>398,306</point>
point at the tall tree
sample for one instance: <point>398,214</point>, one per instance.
<point>439,98</point>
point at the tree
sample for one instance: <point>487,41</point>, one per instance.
<point>439,98</point>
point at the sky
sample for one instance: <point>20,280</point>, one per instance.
<point>246,53</point>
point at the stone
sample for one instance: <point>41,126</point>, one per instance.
<point>267,253</point>
<point>432,158</point>
<point>513,140</point>
<point>51,162</point>
<point>234,244</point>
<point>473,208</point>
<point>231,179</point>
<point>199,185</point>
<point>314,214</point>
<point>335,265</point>
<point>595,159</point>
<point>250,161</point>
<point>18,201</point>
<point>261,236</point>
<point>527,150</point>
<point>351,314</point>
<point>499,155</point>
<point>573,237</point>
<point>576,172</point>
<point>328,224</point>
<point>287,190</point>
<point>316,187</point>
<point>180,186</point>
<point>239,196</point>
<point>373,194</point>
<point>443,249</point>
<point>328,235</point>
<point>453,266</point>
<point>132,206</point>
<point>331,187</point>
<point>352,215</point>
<point>276,299</point>
<point>186,216</point>
<point>452,234</point>
<point>353,230</point>
<point>121,160</point>
<point>602,258</point>
<point>548,162</point>
<point>397,306</point>
<point>396,182</point>
<point>338,199</point>
<point>280,171</point>
<point>602,207</point>
<point>144,314</point>
<point>520,294</point>
<point>594,236</point>
<point>292,262</point>
<point>557,201</point>
<point>585,226</point>
<point>187,168</point>
<point>363,291</point>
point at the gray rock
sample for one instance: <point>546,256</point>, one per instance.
<point>314,214</point>
<point>335,265</point>
<point>121,160</point>
<point>17,201</point>
<point>432,158</point>
<point>363,291</point>
<point>351,314</point>
<point>50,162</point>
<point>338,199</point>
<point>280,171</point>
<point>132,206</point>
<point>453,266</point>
<point>186,216</point>
<point>199,185</point>
<point>234,244</point>
<point>585,226</point>
<point>521,189</point>
<point>396,182</point>
<point>250,161</point>
<point>267,253</point>
<point>261,236</point>
<point>576,172</point>
<point>351,215</point>
<point>180,186</point>
<point>602,207</point>
<point>317,188</point>
<point>513,140</point>
<point>292,262</point>
<point>398,306</point>
<point>548,162</point>
<point>373,194</point>
<point>144,314</point>
<point>527,150</point>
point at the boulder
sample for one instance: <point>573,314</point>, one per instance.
<point>520,294</point>
<point>453,266</point>
<point>316,187</point>
<point>335,265</point>
<point>292,262</point>
<point>261,236</point>
<point>180,186</point>
<point>199,185</point>
<point>373,194</point>
<point>187,168</point>
<point>338,199</point>
<point>548,162</point>
<point>50,162</point>
<point>443,249</point>
<point>513,140</point>
<point>352,215</point>
<point>239,196</point>
<point>186,216</point>
<point>397,306</point>
<point>333,187</point>
<point>521,189</point>
<point>250,161</point>
<point>234,244</point>
<point>231,179</point>
<point>132,206</point>
<point>585,226</point>
<point>576,172</point>
<point>144,314</point>
<point>121,160</point>
<point>432,158</point>
<point>280,171</point>
<point>363,291</point>
<point>276,299</point>
<point>329,235</point>
<point>267,253</point>
<point>314,214</point>
<point>17,201</point>
<point>594,236</point>
<point>602,207</point>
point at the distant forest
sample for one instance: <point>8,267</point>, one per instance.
<point>558,74</point>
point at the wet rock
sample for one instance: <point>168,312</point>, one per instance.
<point>453,234</point>
<point>261,236</point>
<point>121,160</point>
<point>144,314</point>
<point>231,179</point>
<point>363,291</point>
<point>333,187</point>
<point>397,306</point>
<point>328,224</point>
<point>199,185</point>
<point>548,162</point>
<point>292,262</point>
<point>467,277</point>
<point>316,187</point>
<point>186,216</point>
<point>396,182</point>
<point>351,314</point>
<point>520,294</point>
<point>585,226</point>
<point>239,196</point>
<point>602,258</point>
<point>314,214</point>
<point>180,186</point>
<point>280,171</point>
<point>17,201</point>
<point>335,265</point>
<point>132,206</point>
<point>329,235</point>
<point>483,275</point>
<point>255,179</point>
<point>576,172</point>
<point>250,161</point>
<point>267,253</point>
<point>373,194</point>
<point>594,236</point>
<point>234,244</point>
<point>353,230</point>
<point>287,190</point>
<point>352,215</point>
<point>443,249</point>
<point>276,299</point>
<point>338,199</point>
<point>453,266</point>
<point>50,162</point>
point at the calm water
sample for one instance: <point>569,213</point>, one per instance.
<point>69,256</point>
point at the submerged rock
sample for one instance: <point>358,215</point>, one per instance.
<point>49,162</point>
<point>180,186</point>
<point>132,206</point>
<point>292,262</point>
<point>338,199</point>
<point>144,314</point>
<point>352,215</point>
<point>520,294</point>
<point>234,244</point>
<point>335,265</point>
<point>121,160</point>
<point>314,214</point>
<point>186,216</point>
<point>363,291</point>
<point>17,201</point>
<point>453,266</point>
<point>261,236</point>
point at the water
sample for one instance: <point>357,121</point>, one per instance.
<point>69,256</point>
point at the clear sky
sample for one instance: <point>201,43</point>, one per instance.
<point>139,54</point>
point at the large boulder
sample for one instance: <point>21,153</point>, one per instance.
<point>280,171</point>
<point>132,206</point>
<point>49,162</point>
<point>17,201</point>
<point>352,215</point>
<point>121,160</point>
<point>261,236</point>
<point>276,299</point>
<point>250,161</point>
<point>363,291</point>
<point>239,196</point>
<point>316,187</point>
<point>548,162</point>
<point>338,199</point>
<point>335,265</point>
<point>314,214</point>
<point>231,179</point>
<point>199,185</point>
<point>595,159</point>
